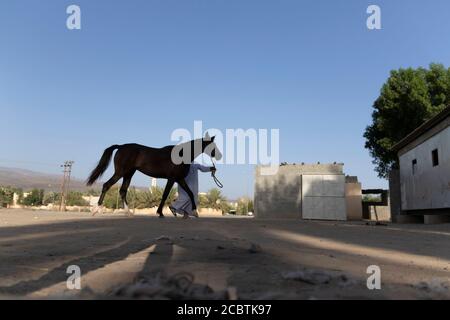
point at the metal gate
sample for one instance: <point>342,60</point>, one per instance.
<point>323,197</point>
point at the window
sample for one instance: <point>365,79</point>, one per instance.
<point>435,157</point>
<point>414,166</point>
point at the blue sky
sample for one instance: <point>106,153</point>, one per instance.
<point>137,70</point>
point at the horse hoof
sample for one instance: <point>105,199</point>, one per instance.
<point>195,213</point>
<point>161,216</point>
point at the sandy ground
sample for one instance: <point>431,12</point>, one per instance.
<point>256,257</point>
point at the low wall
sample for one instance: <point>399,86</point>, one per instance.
<point>205,212</point>
<point>383,212</point>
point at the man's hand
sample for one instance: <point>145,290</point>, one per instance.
<point>213,169</point>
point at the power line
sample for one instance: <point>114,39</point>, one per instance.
<point>67,166</point>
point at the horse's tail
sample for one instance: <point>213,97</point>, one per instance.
<point>102,165</point>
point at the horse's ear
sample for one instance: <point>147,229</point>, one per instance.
<point>212,139</point>
<point>207,137</point>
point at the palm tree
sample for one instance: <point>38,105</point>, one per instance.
<point>214,200</point>
<point>245,205</point>
<point>149,198</point>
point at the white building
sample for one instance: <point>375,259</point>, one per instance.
<point>424,158</point>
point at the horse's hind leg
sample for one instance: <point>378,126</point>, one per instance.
<point>182,183</point>
<point>106,186</point>
<point>169,186</point>
<point>123,190</point>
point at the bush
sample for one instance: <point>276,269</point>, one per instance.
<point>74,198</point>
<point>51,198</point>
<point>137,198</point>
<point>111,198</point>
<point>149,198</point>
<point>34,198</point>
<point>93,192</point>
<point>7,195</point>
<point>214,200</point>
<point>244,206</point>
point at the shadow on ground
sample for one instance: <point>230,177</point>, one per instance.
<point>250,255</point>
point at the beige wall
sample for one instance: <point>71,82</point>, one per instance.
<point>353,198</point>
<point>383,212</point>
<point>203,212</point>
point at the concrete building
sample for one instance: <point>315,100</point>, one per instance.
<point>307,191</point>
<point>424,173</point>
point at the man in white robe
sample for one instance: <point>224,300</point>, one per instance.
<point>183,204</point>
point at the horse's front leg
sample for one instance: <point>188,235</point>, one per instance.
<point>169,186</point>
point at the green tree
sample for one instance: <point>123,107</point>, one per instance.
<point>112,198</point>
<point>137,198</point>
<point>93,192</point>
<point>51,198</point>
<point>34,198</point>
<point>214,200</point>
<point>149,198</point>
<point>370,198</point>
<point>75,198</point>
<point>6,196</point>
<point>244,206</point>
<point>407,100</point>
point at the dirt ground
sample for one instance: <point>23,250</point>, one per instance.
<point>261,259</point>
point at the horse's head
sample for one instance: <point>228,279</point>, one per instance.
<point>210,148</point>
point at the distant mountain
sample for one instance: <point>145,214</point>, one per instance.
<point>27,179</point>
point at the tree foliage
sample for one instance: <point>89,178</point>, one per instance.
<point>214,199</point>
<point>138,199</point>
<point>7,195</point>
<point>407,99</point>
<point>73,198</point>
<point>112,198</point>
<point>51,198</point>
<point>149,198</point>
<point>34,198</point>
<point>93,192</point>
<point>244,206</point>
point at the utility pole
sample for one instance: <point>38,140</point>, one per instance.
<point>67,169</point>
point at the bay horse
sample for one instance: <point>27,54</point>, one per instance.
<point>170,162</point>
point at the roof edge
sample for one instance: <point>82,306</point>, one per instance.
<point>441,116</point>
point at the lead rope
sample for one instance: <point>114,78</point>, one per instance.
<point>213,175</point>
